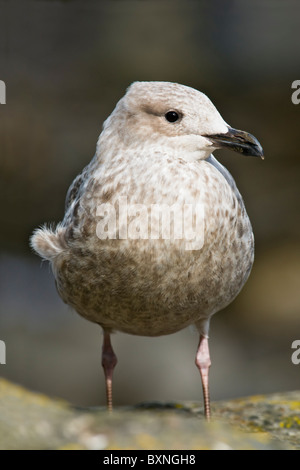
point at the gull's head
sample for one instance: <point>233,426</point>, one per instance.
<point>175,119</point>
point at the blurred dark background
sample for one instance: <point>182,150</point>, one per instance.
<point>65,65</point>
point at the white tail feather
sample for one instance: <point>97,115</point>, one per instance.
<point>48,243</point>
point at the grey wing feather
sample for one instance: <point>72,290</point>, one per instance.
<point>229,178</point>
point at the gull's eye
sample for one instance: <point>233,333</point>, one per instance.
<point>172,116</point>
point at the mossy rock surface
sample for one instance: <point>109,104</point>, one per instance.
<point>34,421</point>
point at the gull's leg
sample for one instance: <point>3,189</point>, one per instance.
<point>109,361</point>
<point>203,363</point>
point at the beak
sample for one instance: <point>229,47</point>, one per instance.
<point>239,141</point>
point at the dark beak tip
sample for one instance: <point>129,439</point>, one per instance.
<point>255,151</point>
<point>239,141</point>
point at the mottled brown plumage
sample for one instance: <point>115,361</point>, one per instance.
<point>154,286</point>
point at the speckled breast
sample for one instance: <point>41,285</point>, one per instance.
<point>155,287</point>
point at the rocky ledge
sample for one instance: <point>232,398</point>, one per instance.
<point>34,421</point>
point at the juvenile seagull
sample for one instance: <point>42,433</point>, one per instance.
<point>155,150</point>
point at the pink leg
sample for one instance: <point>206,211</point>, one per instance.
<point>203,363</point>
<point>109,360</point>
